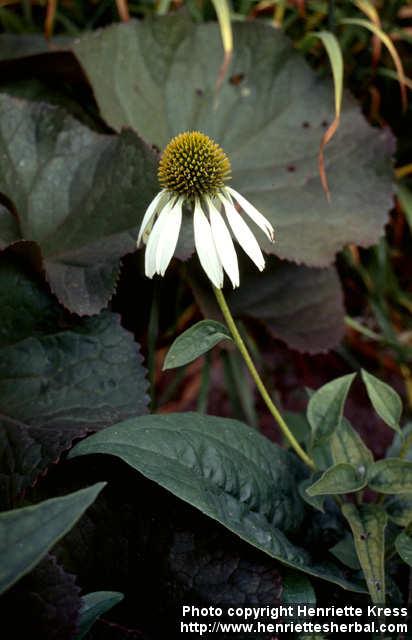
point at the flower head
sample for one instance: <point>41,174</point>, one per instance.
<point>193,170</point>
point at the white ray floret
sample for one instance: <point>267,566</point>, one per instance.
<point>168,240</point>
<point>243,234</point>
<point>224,243</point>
<point>253,213</point>
<point>206,248</point>
<point>151,211</point>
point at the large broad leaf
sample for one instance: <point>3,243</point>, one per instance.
<point>50,600</point>
<point>76,193</point>
<point>269,116</point>
<point>299,305</point>
<point>227,470</point>
<point>55,384</point>
<point>27,534</point>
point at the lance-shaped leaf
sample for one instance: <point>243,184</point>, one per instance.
<point>78,194</point>
<point>403,545</point>
<point>57,384</point>
<point>194,342</point>
<point>278,110</point>
<point>391,475</point>
<point>368,524</point>
<point>325,407</point>
<point>93,606</point>
<point>384,399</point>
<point>315,501</point>
<point>399,509</point>
<point>342,478</point>
<point>27,534</point>
<point>225,469</point>
<point>347,446</point>
<point>345,551</point>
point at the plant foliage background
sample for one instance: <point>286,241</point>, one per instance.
<point>84,113</point>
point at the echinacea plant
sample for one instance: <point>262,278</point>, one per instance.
<point>193,170</point>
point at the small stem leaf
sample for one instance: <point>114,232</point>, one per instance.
<point>391,475</point>
<point>93,606</point>
<point>325,407</point>
<point>401,446</point>
<point>27,534</point>
<point>347,446</point>
<point>229,472</point>
<point>194,342</point>
<point>403,545</point>
<point>384,399</point>
<point>368,524</point>
<point>340,479</point>
<point>399,509</point>
<point>315,501</point>
<point>345,552</point>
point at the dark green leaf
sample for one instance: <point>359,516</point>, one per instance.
<point>78,194</point>
<point>384,399</point>
<point>297,588</point>
<point>225,469</point>
<point>325,407</point>
<point>194,342</point>
<point>391,475</point>
<point>27,534</point>
<point>93,606</point>
<point>342,478</point>
<point>301,306</point>
<point>277,114</point>
<point>49,600</point>
<point>57,384</point>
<point>368,524</point>
<point>9,228</point>
<point>403,544</point>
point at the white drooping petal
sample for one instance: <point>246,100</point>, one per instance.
<point>168,240</point>
<point>254,214</point>
<point>243,234</point>
<point>154,238</point>
<point>205,247</point>
<point>224,244</point>
<point>151,210</point>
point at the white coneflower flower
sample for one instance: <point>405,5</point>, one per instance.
<point>193,169</point>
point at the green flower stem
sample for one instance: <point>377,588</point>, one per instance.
<point>258,380</point>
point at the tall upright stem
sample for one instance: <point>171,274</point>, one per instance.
<point>258,380</point>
